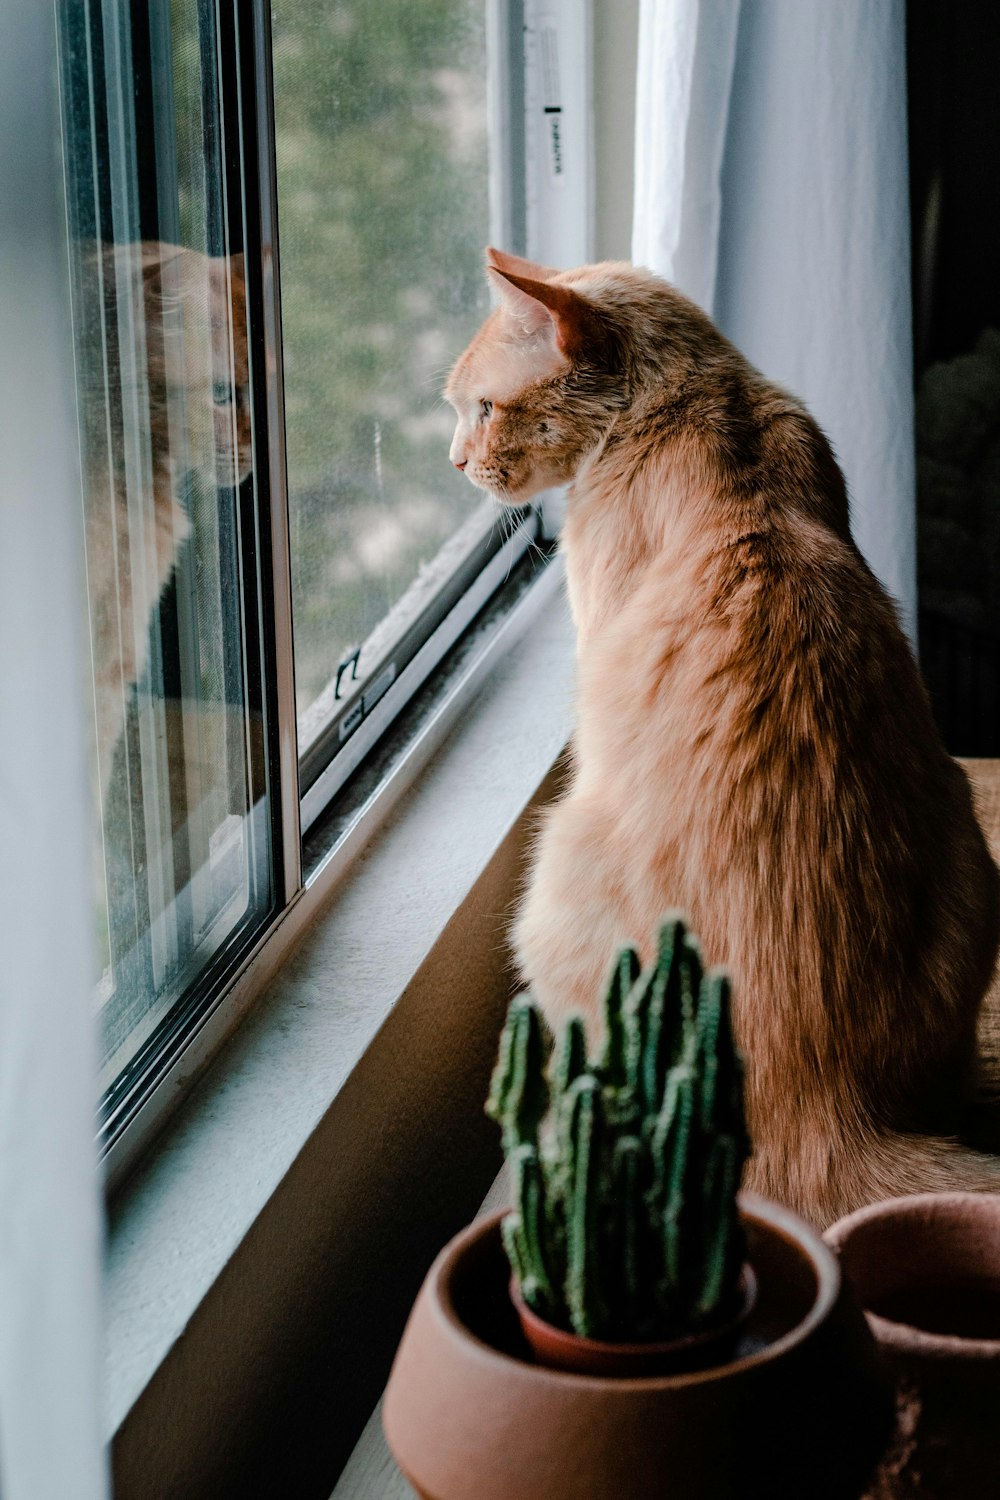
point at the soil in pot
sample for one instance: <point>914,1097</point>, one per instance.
<point>965,1310</point>
<point>561,1350</point>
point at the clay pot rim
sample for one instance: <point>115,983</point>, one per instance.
<point>906,1338</point>
<point>772,1216</point>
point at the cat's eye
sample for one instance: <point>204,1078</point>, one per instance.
<point>485,410</point>
<point>222,393</point>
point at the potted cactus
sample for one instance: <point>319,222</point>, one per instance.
<point>625,1240</point>
<point>660,1333</point>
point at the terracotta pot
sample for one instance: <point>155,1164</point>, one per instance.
<point>801,1411</point>
<point>927,1271</point>
<point>560,1350</point>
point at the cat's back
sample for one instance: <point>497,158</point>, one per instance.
<point>757,677</point>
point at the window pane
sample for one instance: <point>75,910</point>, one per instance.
<point>182,861</point>
<point>382,198</point>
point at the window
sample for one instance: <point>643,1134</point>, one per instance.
<point>277,550</point>
<point>173,521</point>
<point>381,148</point>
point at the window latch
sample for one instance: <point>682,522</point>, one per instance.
<point>349,661</point>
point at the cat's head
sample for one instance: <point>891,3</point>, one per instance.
<point>192,310</point>
<point>232,434</point>
<point>540,382</point>
<point>201,300</point>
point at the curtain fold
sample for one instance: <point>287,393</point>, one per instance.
<point>687,50</point>
<point>772,186</point>
<point>50,1194</point>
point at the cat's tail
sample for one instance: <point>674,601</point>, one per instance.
<point>868,1169</point>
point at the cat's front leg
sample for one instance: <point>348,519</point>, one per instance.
<point>572,920</point>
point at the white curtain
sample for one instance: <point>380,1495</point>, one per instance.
<point>771,186</point>
<point>50,1213</point>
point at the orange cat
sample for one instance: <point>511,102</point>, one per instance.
<point>754,744</point>
<point>163,383</point>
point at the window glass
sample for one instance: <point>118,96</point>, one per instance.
<point>373,118</point>
<point>182,849</point>
<point>381,147</point>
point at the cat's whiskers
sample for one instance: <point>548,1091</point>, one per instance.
<point>499,519</point>
<point>534,547</point>
<point>434,375</point>
<point>500,524</point>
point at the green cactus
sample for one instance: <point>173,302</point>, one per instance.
<point>526,1230</point>
<point>623,976</point>
<point>519,1094</point>
<point>571,1060</point>
<point>583,1129</point>
<point>626,1169</point>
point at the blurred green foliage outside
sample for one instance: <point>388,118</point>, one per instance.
<point>382,202</point>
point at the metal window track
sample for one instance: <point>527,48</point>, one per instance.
<point>385,695</point>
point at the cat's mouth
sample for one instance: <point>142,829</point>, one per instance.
<point>512,499</point>
<point>499,488</point>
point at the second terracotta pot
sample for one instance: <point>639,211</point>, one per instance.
<point>927,1270</point>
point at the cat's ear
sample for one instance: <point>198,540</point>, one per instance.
<point>499,260</point>
<point>161,265</point>
<point>547,308</point>
<point>515,296</point>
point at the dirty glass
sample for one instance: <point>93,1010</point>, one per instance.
<point>381,148</point>
<point>181,853</point>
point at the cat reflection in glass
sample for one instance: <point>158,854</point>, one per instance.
<point>163,392</point>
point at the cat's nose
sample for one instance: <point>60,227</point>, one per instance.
<point>457,451</point>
